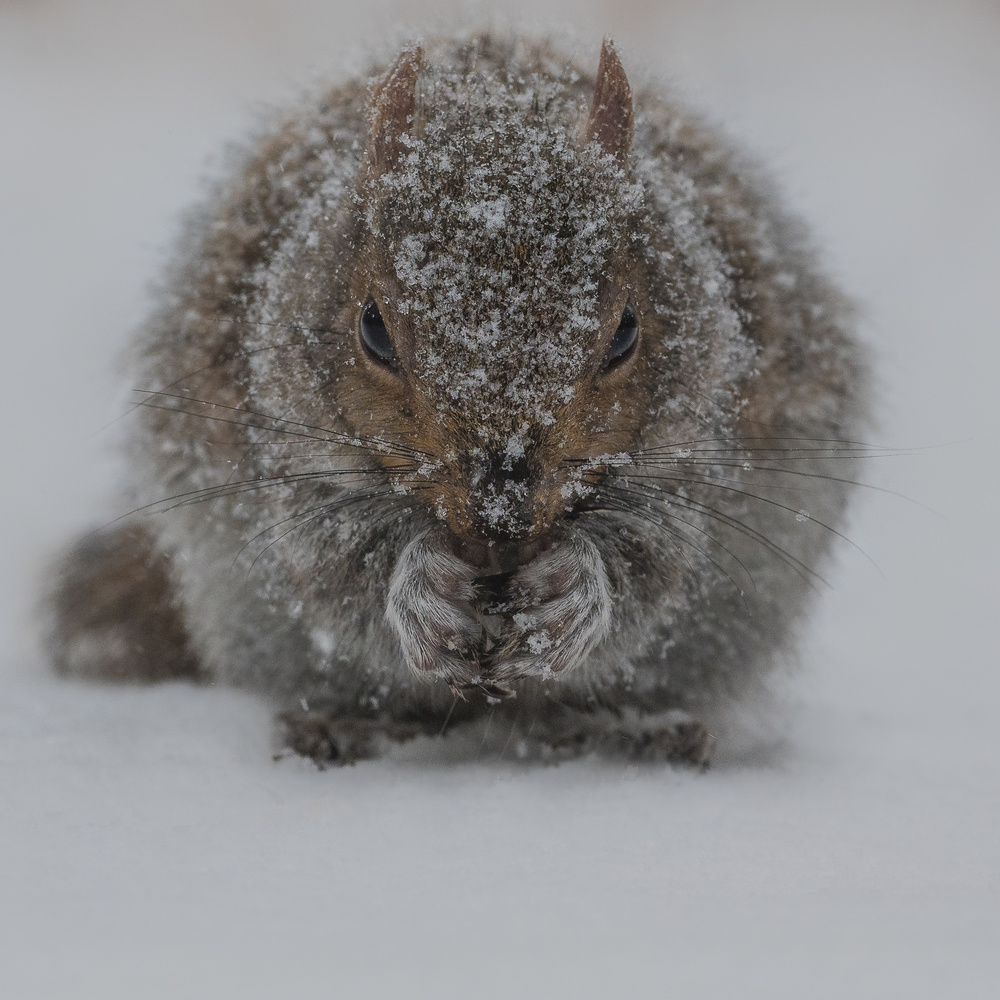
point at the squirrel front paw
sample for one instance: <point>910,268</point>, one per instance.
<point>670,738</point>
<point>682,740</point>
<point>430,608</point>
<point>338,740</point>
<point>556,609</point>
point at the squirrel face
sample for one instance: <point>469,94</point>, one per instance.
<point>496,301</point>
<point>498,296</point>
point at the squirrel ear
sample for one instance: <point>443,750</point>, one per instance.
<point>391,106</point>
<point>610,122</point>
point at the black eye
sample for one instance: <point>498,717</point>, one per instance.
<point>624,339</point>
<point>374,335</point>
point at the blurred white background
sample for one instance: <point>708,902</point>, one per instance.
<point>148,847</point>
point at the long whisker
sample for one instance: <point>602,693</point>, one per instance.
<point>749,467</point>
<point>295,327</point>
<point>236,423</point>
<point>247,485</point>
<point>705,481</point>
<point>251,486</point>
<point>242,352</point>
<point>700,476</point>
<point>316,512</point>
<point>621,506</point>
<point>674,516</point>
<point>352,440</point>
<point>696,506</point>
<point>771,442</point>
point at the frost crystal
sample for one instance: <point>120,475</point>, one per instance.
<point>498,223</point>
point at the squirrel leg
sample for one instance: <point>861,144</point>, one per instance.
<point>113,613</point>
<point>429,605</point>
<point>329,739</point>
<point>675,738</point>
<point>672,738</point>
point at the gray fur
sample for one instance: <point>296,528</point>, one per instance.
<point>505,517</point>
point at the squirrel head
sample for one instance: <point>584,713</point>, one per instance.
<point>498,293</point>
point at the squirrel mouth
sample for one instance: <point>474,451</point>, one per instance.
<point>499,558</point>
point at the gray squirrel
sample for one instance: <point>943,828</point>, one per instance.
<point>489,396</point>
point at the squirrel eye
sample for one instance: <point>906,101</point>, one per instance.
<point>374,335</point>
<point>624,339</point>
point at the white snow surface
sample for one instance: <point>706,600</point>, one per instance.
<point>149,846</point>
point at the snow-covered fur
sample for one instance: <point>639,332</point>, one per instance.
<point>491,377</point>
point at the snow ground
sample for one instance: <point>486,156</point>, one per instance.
<point>148,845</point>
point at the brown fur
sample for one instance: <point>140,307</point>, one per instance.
<point>402,545</point>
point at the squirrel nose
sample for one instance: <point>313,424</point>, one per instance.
<point>502,496</point>
<point>494,470</point>
<point>504,468</point>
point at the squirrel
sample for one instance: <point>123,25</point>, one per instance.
<point>490,391</point>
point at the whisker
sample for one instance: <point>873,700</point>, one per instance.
<point>622,507</point>
<point>352,440</point>
<point>619,507</point>
<point>696,506</point>
<point>390,513</point>
<point>826,477</point>
<point>317,512</point>
<point>228,490</point>
<point>715,541</point>
<point>224,489</point>
<point>702,477</point>
<point>236,423</point>
<point>744,447</point>
<point>704,481</point>
<point>299,327</point>
<point>739,456</point>
<point>243,352</point>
